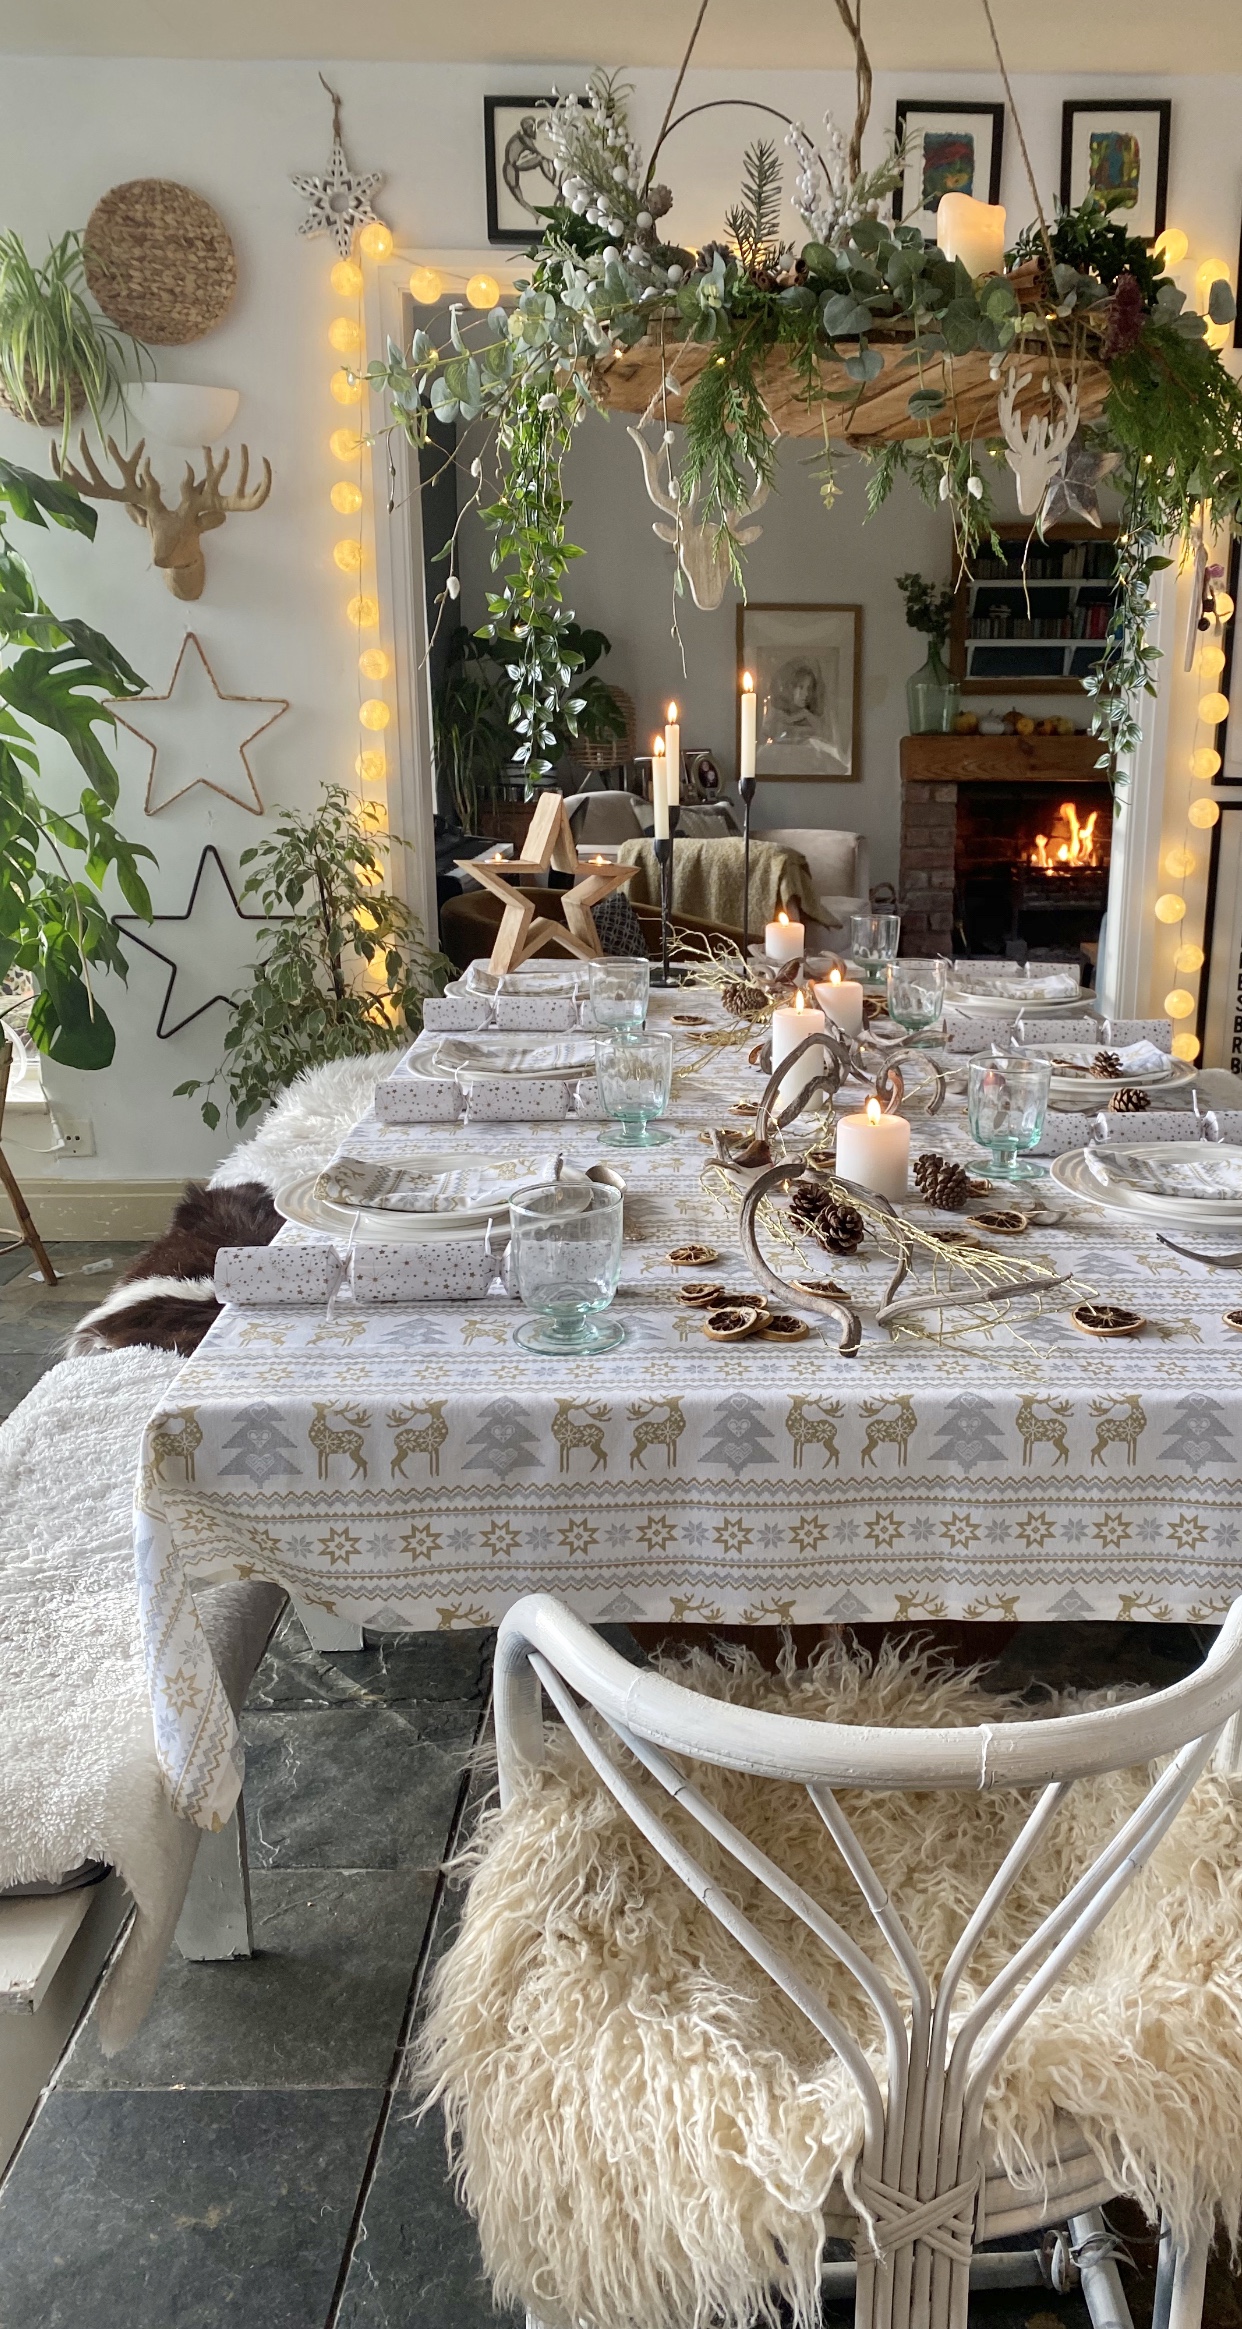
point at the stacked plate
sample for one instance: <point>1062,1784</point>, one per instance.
<point>434,1197</point>
<point>991,995</point>
<point>1195,1183</point>
<point>530,978</point>
<point>1143,1067</point>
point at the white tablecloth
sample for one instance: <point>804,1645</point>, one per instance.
<point>415,1467</point>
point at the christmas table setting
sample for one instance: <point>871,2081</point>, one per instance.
<point>930,1387</point>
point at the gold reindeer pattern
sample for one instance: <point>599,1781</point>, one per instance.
<point>445,1471</point>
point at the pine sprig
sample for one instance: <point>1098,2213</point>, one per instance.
<point>755,221</point>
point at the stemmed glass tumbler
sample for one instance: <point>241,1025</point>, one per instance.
<point>635,1075</point>
<point>874,939</point>
<point>566,1260</point>
<point>1007,1100</point>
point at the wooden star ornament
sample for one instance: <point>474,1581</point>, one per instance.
<point>549,846</point>
<point>340,201</point>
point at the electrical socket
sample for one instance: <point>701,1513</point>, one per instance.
<point>77,1133</point>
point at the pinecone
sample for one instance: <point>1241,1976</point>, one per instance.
<point>1106,1063</point>
<point>1129,1101</point>
<point>944,1184</point>
<point>744,999</point>
<point>836,1226</point>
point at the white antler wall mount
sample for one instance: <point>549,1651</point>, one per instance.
<point>1035,449</point>
<point>702,545</point>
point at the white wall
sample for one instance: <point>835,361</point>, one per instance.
<point>271,619</point>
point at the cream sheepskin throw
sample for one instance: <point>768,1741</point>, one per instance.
<point>308,1122</point>
<point>648,2132</point>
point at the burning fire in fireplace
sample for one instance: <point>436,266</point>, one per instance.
<point>1071,846</point>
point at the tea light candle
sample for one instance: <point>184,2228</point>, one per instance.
<point>783,940</point>
<point>973,232</point>
<point>874,1150</point>
<point>746,738</point>
<point>659,789</point>
<point>841,1001</point>
<point>672,756</point>
<point>790,1027</point>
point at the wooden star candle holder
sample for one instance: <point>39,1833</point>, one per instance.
<point>549,846</point>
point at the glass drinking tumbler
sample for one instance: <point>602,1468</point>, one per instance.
<point>566,1261</point>
<point>635,1075</point>
<point>915,993</point>
<point>620,986</point>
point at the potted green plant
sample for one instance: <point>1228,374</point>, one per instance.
<point>56,675</point>
<point>342,966</point>
<point>476,743</point>
<point>58,355</point>
<point>932,694</point>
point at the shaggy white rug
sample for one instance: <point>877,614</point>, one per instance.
<point>78,1774</point>
<point>308,1122</point>
<point>648,2132</point>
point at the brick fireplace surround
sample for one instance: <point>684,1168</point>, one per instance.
<point>932,769</point>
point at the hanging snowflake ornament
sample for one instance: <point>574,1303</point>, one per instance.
<point>340,201</point>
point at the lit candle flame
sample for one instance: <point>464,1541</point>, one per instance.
<point>873,1111</point>
<point>672,714</point>
<point>799,1001</point>
<point>834,978</point>
<point>657,747</point>
<point>597,861</point>
<point>783,917</point>
<point>748,685</point>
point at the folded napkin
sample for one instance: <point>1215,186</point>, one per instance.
<point>515,1055</point>
<point>531,978</point>
<point>1138,1059</point>
<point>1056,986</point>
<point>1202,1175</point>
<point>404,1189</point>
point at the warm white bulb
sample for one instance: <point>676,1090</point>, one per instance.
<point>483,291</point>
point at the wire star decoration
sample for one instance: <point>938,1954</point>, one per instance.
<point>340,201</point>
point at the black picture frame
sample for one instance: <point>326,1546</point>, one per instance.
<point>949,112</point>
<point>495,135</point>
<point>1161,108</point>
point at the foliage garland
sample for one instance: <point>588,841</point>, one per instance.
<point>604,277</point>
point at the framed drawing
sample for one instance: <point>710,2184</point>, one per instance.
<point>1118,149</point>
<point>807,667</point>
<point>954,149</point>
<point>521,174</point>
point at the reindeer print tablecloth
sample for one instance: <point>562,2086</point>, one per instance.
<point>416,1467</point>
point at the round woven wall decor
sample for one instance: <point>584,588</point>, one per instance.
<point>160,261</point>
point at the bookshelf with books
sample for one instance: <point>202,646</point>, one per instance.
<point>1034,619</point>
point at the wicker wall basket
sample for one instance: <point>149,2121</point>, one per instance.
<point>45,411</point>
<point>594,758</point>
<point>160,261</point>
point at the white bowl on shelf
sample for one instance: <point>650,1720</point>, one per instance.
<point>181,412</point>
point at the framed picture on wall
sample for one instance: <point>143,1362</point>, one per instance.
<point>1120,150</point>
<point>521,174</point>
<point>807,667</point>
<point>954,149</point>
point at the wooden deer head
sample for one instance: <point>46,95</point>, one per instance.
<point>176,547</point>
<point>702,545</point>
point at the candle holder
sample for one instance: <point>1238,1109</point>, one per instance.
<point>746,794</point>
<point>666,977</point>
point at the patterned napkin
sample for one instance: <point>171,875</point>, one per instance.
<point>532,978</point>
<point>1058,986</point>
<point>1138,1059</point>
<point>404,1189</point>
<point>1203,1175</point>
<point>515,1055</point>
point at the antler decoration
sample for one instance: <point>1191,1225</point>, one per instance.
<point>843,1060</point>
<point>175,533</point>
<point>702,545</point>
<point>1036,450</point>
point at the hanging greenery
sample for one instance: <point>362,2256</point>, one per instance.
<point>1080,359</point>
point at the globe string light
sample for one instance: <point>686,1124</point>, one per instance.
<point>1179,862</point>
<point>346,339</point>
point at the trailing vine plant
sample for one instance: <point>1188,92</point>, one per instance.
<point>1080,302</point>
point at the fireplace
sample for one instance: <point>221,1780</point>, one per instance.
<point>1005,845</point>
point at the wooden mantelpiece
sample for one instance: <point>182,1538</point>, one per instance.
<point>1000,760</point>
<point>932,768</point>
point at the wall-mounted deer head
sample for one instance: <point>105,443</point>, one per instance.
<point>702,545</point>
<point>1035,449</point>
<point>176,547</point>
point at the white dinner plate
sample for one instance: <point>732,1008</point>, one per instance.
<point>1071,1172</point>
<point>299,1200</point>
<point>1012,1006</point>
<point>1088,1091</point>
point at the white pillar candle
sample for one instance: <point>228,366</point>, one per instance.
<point>672,756</point>
<point>659,789</point>
<point>841,1001</point>
<point>783,940</point>
<point>749,711</point>
<point>973,232</point>
<point>790,1027</point>
<point>874,1150</point>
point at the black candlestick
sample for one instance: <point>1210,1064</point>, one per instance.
<point>746,793</point>
<point>664,859</point>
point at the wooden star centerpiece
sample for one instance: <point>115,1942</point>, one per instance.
<point>549,846</point>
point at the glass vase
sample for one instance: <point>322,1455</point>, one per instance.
<point>932,697</point>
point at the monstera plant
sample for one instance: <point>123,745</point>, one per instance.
<point>55,853</point>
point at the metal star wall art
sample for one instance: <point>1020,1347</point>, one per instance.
<point>209,938</point>
<point>1074,493</point>
<point>340,201</point>
<point>196,734</point>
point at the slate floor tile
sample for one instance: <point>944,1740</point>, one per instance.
<point>416,2262</point>
<point>182,2211</point>
<point>18,1375</point>
<point>347,1788</point>
<point>438,1668</point>
<point>318,2005</point>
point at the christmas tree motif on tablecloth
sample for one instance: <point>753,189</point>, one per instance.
<point>969,1434</point>
<point>263,1451</point>
<point>1198,1434</point>
<point>504,1441</point>
<point>739,1436</point>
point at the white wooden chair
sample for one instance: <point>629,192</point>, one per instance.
<point>923,2176</point>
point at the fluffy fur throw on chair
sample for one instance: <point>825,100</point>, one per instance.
<point>649,2134</point>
